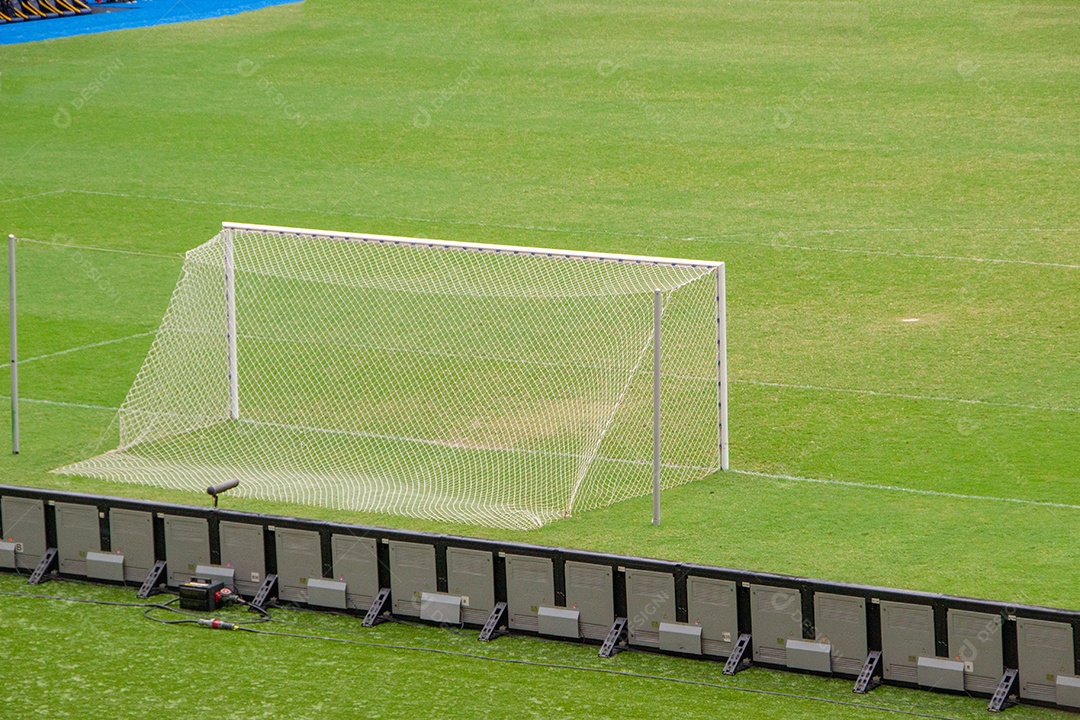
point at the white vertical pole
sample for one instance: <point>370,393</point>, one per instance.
<point>658,299</point>
<point>721,367</point>
<point>14,345</point>
<point>230,324</point>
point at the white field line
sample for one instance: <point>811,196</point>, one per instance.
<point>841,231</point>
<point>903,396</point>
<point>94,248</point>
<point>911,491</point>
<point>771,476</point>
<point>371,216</point>
<point>31,197</point>
<point>719,237</point>
<point>58,403</point>
<point>891,253</point>
<point>465,446</point>
<point>88,346</point>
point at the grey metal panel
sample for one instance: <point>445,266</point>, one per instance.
<point>650,600</point>
<point>775,617</point>
<point>680,638</point>
<point>105,566</point>
<point>589,590</point>
<point>356,563</point>
<point>216,573</point>
<point>809,655</point>
<point>1068,691</point>
<point>559,622</point>
<point>940,673</point>
<point>24,524</point>
<point>1045,651</point>
<point>412,573</point>
<point>713,605</point>
<point>244,550</point>
<point>440,608</point>
<point>7,554</point>
<point>907,633</point>
<point>840,621</point>
<point>131,533</point>
<point>530,583</point>
<point>187,545</point>
<point>326,593</point>
<point>975,640</point>
<point>471,574</point>
<point>299,558</point>
<point>77,533</point>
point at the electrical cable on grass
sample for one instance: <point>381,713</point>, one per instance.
<point>192,618</point>
<point>206,622</point>
<point>86,601</point>
<point>604,671</point>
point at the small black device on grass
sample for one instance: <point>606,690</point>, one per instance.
<point>203,594</point>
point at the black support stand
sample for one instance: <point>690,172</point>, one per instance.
<point>736,662</point>
<point>491,629</point>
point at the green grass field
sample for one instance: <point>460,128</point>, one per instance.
<point>856,165</point>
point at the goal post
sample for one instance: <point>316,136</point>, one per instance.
<point>488,384</point>
<point>230,323</point>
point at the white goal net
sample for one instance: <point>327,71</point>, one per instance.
<point>492,385</point>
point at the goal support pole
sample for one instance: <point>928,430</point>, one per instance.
<point>658,303</point>
<point>721,367</point>
<point>14,346</point>
<point>230,324</point>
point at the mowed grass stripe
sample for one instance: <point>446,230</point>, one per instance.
<point>775,242</point>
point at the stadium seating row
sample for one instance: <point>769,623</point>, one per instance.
<point>13,11</point>
<point>871,634</point>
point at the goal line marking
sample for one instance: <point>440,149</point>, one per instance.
<point>751,473</point>
<point>468,446</point>
<point>911,491</point>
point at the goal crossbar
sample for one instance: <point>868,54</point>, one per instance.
<point>477,247</point>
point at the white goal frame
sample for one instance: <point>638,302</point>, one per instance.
<point>721,313</point>
<point>578,440</point>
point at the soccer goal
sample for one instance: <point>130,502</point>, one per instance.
<point>486,384</point>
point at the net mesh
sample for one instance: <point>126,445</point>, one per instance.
<point>495,388</point>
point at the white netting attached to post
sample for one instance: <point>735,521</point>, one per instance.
<point>435,380</point>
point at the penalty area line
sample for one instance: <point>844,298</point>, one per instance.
<point>95,248</point>
<point>60,403</point>
<point>910,491</point>
<point>904,396</point>
<point>879,253</point>
<point>31,197</point>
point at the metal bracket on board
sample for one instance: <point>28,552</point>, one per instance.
<point>43,567</point>
<point>1004,696</point>
<point>609,648</point>
<point>736,661</point>
<point>491,630</point>
<point>262,597</point>
<point>151,584</point>
<point>868,677</point>
<point>374,613</point>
